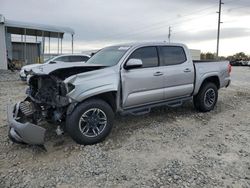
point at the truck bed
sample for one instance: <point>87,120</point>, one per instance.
<point>207,68</point>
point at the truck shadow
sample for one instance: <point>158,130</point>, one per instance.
<point>126,126</point>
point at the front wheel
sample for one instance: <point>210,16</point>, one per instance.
<point>207,97</point>
<point>91,122</point>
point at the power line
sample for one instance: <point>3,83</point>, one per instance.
<point>180,22</point>
<point>240,7</point>
<point>163,24</point>
<point>238,2</point>
<point>160,24</point>
<point>192,29</point>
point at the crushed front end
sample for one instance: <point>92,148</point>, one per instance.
<point>46,101</point>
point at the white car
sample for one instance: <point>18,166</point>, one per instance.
<point>61,58</point>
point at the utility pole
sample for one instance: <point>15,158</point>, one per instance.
<point>218,31</point>
<point>169,33</point>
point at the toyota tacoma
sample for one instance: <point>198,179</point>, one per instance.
<point>124,79</point>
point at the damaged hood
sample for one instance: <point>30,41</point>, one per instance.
<point>49,68</point>
<point>92,83</point>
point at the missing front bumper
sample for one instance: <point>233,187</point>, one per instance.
<point>24,132</point>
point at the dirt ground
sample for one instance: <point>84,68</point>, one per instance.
<point>170,147</point>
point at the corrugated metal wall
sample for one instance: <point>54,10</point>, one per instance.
<point>33,52</point>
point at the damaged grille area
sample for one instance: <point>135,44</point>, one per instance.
<point>48,90</point>
<point>27,108</point>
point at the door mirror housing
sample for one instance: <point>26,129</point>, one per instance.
<point>133,63</point>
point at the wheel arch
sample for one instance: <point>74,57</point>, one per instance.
<point>109,97</point>
<point>209,78</point>
<point>213,79</point>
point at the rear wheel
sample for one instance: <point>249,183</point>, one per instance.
<point>91,122</point>
<point>207,97</point>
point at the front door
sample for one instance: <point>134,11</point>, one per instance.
<point>143,85</point>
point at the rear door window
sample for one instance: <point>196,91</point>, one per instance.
<point>172,55</point>
<point>148,55</point>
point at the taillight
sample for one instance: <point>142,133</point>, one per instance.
<point>229,68</point>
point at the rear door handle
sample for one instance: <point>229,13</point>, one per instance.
<point>187,70</point>
<point>158,73</point>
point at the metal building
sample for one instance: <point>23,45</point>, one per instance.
<point>196,54</point>
<point>26,50</point>
<point>33,53</point>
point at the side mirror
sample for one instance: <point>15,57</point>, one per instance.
<point>133,63</point>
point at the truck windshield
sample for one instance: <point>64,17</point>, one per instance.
<point>108,56</point>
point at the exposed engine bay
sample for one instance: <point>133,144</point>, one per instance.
<point>46,95</point>
<point>47,90</point>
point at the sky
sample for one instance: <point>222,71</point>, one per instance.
<point>100,23</point>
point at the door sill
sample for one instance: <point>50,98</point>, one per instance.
<point>144,109</point>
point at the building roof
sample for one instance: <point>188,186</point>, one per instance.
<point>35,29</point>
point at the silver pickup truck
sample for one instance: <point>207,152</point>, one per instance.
<point>125,79</point>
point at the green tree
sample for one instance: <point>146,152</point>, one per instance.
<point>207,55</point>
<point>203,56</point>
<point>222,58</point>
<point>240,56</point>
<point>210,55</point>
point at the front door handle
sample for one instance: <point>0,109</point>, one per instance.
<point>158,73</point>
<point>187,70</point>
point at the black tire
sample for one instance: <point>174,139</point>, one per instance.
<point>202,102</point>
<point>73,123</point>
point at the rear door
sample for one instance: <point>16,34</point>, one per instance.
<point>143,85</point>
<point>178,72</point>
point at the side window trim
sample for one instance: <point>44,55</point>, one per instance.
<point>161,56</point>
<point>157,52</point>
<point>158,56</point>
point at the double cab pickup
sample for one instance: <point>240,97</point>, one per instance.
<point>124,79</point>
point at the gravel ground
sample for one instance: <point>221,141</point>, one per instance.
<point>170,147</point>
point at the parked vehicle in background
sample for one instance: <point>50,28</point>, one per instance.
<point>239,63</point>
<point>125,79</point>
<point>235,63</point>
<point>244,63</point>
<point>61,58</point>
